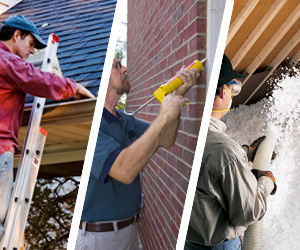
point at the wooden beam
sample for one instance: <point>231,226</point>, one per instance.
<point>239,20</point>
<point>278,59</point>
<point>4,4</point>
<point>68,156</point>
<point>281,32</point>
<point>257,32</point>
<point>63,147</point>
<point>296,59</point>
<point>65,113</point>
<point>59,157</point>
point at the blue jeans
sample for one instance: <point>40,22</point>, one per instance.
<point>227,245</point>
<point>6,182</point>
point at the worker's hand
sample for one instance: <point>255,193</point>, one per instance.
<point>189,78</point>
<point>171,106</point>
<point>82,93</point>
<point>251,150</point>
<point>259,173</point>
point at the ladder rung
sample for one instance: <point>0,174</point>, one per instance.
<point>37,62</point>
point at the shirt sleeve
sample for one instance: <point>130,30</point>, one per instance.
<point>140,126</point>
<point>108,164</point>
<point>245,197</point>
<point>106,151</point>
<point>24,77</point>
<point>108,148</point>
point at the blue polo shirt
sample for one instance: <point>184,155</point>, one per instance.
<point>106,198</point>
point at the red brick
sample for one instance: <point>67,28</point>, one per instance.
<point>177,178</point>
<point>177,14</point>
<point>201,25</point>
<point>171,237</point>
<point>174,229</point>
<point>202,79</point>
<point>197,43</point>
<point>168,74</point>
<point>191,30</point>
<point>171,9</point>
<point>182,167</point>
<point>194,12</point>
<point>164,42</point>
<point>179,2</point>
<point>180,195</point>
<point>184,113</point>
<point>185,183</point>
<point>170,184</point>
<point>189,173</point>
<point>178,205</point>
<point>192,142</point>
<point>178,41</point>
<point>177,150</point>
<point>167,50</point>
<point>170,209</point>
<point>191,126</point>
<point>181,139</point>
<point>182,52</point>
<point>196,110</point>
<point>167,26</point>
<point>188,157</point>
<point>188,4</point>
<point>162,198</point>
<point>183,23</point>
<point>162,36</point>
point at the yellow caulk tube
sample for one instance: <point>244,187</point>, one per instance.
<point>169,87</point>
<point>175,82</point>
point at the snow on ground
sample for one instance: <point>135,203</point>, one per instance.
<point>247,123</point>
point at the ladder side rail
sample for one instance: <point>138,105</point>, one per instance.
<point>31,177</point>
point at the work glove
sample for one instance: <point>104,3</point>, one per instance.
<point>251,150</point>
<point>259,173</point>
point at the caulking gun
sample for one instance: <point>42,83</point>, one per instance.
<point>169,87</point>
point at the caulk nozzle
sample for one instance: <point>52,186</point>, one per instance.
<point>203,60</point>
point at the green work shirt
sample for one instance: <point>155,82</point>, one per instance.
<point>228,197</point>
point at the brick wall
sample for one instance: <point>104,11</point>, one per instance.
<point>162,36</point>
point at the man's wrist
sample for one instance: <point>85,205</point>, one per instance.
<point>162,118</point>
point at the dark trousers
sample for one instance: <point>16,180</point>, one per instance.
<point>235,244</point>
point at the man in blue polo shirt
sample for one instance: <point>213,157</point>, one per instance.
<point>124,146</point>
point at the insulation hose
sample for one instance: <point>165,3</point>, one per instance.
<point>263,156</point>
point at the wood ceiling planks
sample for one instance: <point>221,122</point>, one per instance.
<point>263,35</point>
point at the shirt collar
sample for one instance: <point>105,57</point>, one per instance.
<point>109,117</point>
<point>217,124</point>
<point>4,47</point>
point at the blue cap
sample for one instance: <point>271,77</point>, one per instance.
<point>21,22</point>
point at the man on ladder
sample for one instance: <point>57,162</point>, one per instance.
<point>18,38</point>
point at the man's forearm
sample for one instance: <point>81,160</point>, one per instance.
<point>170,133</point>
<point>132,159</point>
